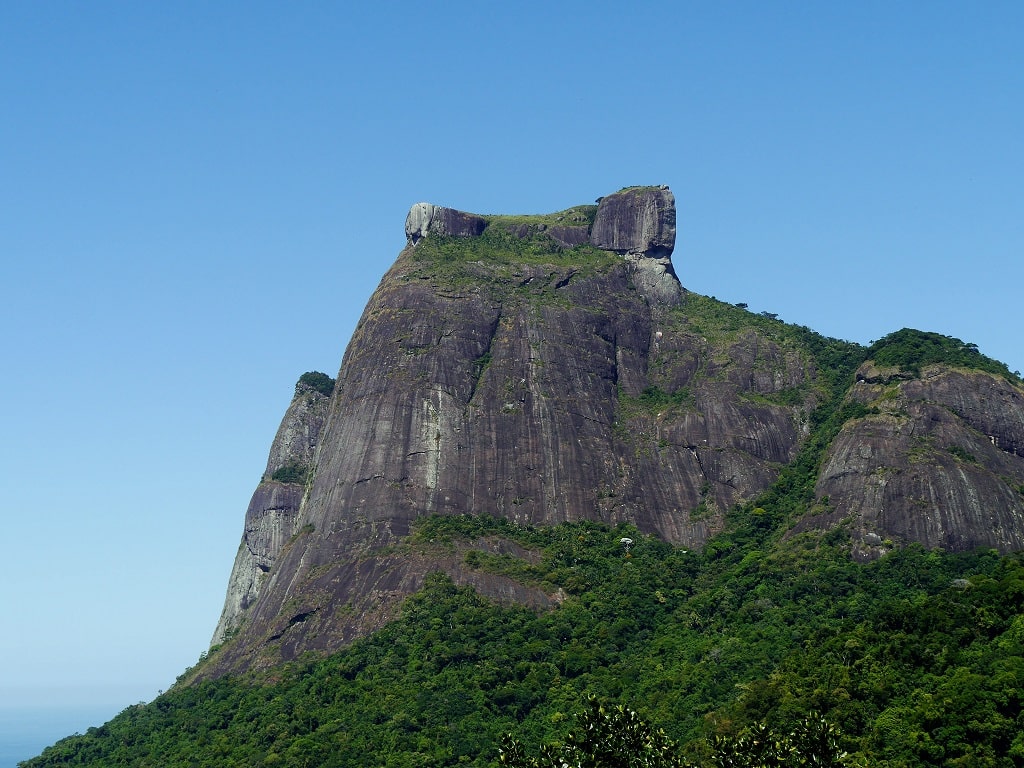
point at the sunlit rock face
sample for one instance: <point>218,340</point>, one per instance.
<point>939,462</point>
<point>512,387</point>
<point>637,220</point>
<point>425,218</point>
<point>552,368</point>
<point>270,520</point>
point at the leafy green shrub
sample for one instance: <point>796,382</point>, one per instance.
<point>617,737</point>
<point>911,350</point>
<point>604,736</point>
<point>292,472</point>
<point>315,380</point>
<point>962,454</point>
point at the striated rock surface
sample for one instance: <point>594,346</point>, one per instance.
<point>425,218</point>
<point>636,220</point>
<point>640,224</point>
<point>534,382</point>
<point>938,460</point>
<point>552,368</point>
<point>270,520</point>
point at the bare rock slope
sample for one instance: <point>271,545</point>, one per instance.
<point>937,460</point>
<point>552,368</point>
<point>271,519</point>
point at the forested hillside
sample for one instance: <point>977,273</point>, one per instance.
<point>918,658</point>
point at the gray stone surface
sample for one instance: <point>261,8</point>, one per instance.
<point>541,434</point>
<point>656,279</point>
<point>270,519</point>
<point>636,220</point>
<point>941,463</point>
<point>547,392</point>
<point>424,219</point>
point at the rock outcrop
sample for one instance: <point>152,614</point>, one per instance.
<point>639,223</point>
<point>270,520</point>
<point>637,220</point>
<point>552,368</point>
<point>424,219</point>
<point>938,460</point>
<point>543,390</point>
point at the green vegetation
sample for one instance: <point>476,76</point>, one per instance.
<point>722,324</point>
<point>315,380</point>
<point>654,400</point>
<point>481,364</point>
<point>612,736</point>
<point>655,397</point>
<point>506,244</point>
<point>918,659</point>
<point>292,472</point>
<point>618,736</point>
<point>578,216</point>
<point>963,454</point>
<point>911,350</point>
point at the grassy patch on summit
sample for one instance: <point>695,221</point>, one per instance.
<point>505,244</point>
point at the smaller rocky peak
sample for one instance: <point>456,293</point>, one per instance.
<point>425,218</point>
<point>910,351</point>
<point>273,512</point>
<point>291,453</point>
<point>314,381</point>
<point>638,221</point>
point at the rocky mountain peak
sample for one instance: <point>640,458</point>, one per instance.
<point>636,221</point>
<point>549,369</point>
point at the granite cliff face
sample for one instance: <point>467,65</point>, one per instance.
<point>552,368</point>
<point>270,520</point>
<point>938,460</point>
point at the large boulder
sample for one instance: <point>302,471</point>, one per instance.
<point>636,220</point>
<point>640,224</point>
<point>425,218</point>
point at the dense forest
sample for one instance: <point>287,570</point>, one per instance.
<point>916,659</point>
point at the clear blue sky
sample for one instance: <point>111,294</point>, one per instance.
<point>197,200</point>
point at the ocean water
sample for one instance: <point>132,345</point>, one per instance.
<point>26,732</point>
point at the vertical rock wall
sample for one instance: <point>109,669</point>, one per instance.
<point>270,520</point>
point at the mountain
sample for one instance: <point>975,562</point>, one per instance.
<point>550,369</point>
<point>547,471</point>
